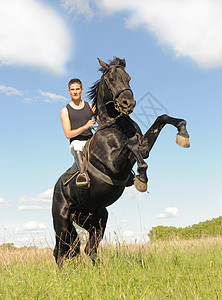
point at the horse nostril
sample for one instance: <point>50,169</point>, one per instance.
<point>125,102</point>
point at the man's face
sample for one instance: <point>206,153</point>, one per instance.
<point>75,91</point>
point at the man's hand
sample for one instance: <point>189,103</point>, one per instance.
<point>90,124</point>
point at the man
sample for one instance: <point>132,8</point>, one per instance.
<point>76,122</point>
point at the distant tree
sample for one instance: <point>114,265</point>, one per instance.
<point>207,228</point>
<point>8,246</point>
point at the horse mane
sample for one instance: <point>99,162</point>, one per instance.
<point>93,91</point>
<point>92,94</point>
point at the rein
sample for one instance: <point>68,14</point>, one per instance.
<point>108,124</point>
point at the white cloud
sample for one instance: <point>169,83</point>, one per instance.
<point>124,221</point>
<point>33,239</point>
<point>48,97</point>
<point>170,212</point>
<point>33,207</point>
<point>31,226</point>
<point>190,28</point>
<point>52,97</point>
<point>31,33</point>
<point>21,241</point>
<point>45,197</point>
<point>10,91</point>
<point>3,202</point>
<point>128,234</point>
<point>77,7</point>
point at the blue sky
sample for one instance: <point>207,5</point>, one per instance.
<point>173,54</point>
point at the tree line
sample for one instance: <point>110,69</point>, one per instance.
<point>209,228</point>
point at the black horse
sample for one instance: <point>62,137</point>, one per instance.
<point>110,155</point>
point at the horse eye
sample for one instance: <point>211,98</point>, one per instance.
<point>111,79</point>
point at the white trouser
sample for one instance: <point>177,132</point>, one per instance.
<point>76,145</point>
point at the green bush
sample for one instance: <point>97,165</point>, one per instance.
<point>203,229</point>
<point>7,246</point>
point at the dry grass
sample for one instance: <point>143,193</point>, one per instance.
<point>160,246</point>
<point>24,254</point>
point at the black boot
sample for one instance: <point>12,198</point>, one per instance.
<point>81,179</point>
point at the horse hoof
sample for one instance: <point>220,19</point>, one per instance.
<point>182,141</point>
<point>139,185</point>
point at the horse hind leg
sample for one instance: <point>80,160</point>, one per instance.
<point>67,241</point>
<point>96,234</point>
<point>74,242</point>
<point>95,237</point>
<point>72,239</point>
<point>61,249</point>
<point>95,224</point>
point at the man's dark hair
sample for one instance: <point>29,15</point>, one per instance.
<point>75,80</point>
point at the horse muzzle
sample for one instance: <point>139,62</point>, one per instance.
<point>125,106</point>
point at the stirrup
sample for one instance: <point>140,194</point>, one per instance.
<point>82,180</point>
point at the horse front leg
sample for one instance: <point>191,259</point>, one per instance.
<point>182,138</point>
<point>140,180</point>
<point>153,132</point>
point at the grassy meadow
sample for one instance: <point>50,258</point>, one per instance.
<point>178,269</point>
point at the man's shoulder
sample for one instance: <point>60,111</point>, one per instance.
<point>88,103</point>
<point>64,110</point>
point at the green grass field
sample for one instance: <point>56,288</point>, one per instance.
<point>179,269</point>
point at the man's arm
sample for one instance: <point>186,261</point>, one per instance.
<point>67,126</point>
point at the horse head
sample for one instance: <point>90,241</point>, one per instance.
<point>114,95</point>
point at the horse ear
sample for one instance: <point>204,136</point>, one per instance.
<point>103,64</point>
<point>124,62</point>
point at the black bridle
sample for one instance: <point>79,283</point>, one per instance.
<point>117,94</point>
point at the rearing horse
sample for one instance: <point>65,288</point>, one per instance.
<point>116,146</point>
